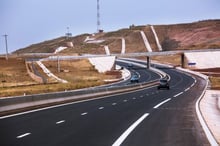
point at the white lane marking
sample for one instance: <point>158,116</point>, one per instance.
<point>192,85</point>
<point>23,135</point>
<point>187,89</point>
<point>71,103</point>
<point>178,94</point>
<point>101,108</point>
<point>133,98</point>
<point>120,140</point>
<point>59,122</point>
<point>141,96</point>
<point>147,94</point>
<point>162,103</point>
<point>125,100</point>
<point>114,103</point>
<point>83,114</point>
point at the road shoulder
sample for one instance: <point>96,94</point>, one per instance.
<point>210,109</point>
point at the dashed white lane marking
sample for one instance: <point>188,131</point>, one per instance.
<point>83,114</point>
<point>125,100</point>
<point>133,98</point>
<point>178,94</point>
<point>114,103</point>
<point>187,89</point>
<point>101,108</point>
<point>59,122</point>
<point>192,85</point>
<point>23,135</point>
<point>120,140</point>
<point>141,96</point>
<point>162,103</point>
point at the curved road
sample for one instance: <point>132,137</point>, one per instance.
<point>145,117</point>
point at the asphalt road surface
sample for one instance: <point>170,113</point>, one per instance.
<point>147,117</point>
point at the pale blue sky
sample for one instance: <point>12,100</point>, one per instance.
<point>32,21</point>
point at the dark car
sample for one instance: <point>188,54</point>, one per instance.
<point>130,65</point>
<point>163,84</point>
<point>134,79</point>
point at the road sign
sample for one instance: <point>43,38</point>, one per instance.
<point>191,63</point>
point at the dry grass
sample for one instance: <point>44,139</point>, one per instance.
<point>215,82</point>
<point>79,74</point>
<point>174,60</point>
<point>13,73</point>
<point>76,71</point>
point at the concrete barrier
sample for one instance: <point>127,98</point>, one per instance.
<point>17,104</point>
<point>22,103</point>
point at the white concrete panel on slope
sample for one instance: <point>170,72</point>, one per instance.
<point>203,60</point>
<point>103,64</point>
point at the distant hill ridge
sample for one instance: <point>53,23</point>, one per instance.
<point>196,35</point>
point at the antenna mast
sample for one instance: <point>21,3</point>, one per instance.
<point>98,17</point>
<point>6,46</point>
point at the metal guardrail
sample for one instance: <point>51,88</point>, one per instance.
<point>22,103</point>
<point>29,102</point>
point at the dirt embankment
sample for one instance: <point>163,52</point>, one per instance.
<point>13,73</point>
<point>197,35</point>
<point>15,80</point>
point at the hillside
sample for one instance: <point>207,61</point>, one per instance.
<point>197,35</point>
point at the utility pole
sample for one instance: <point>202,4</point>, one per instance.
<point>6,46</point>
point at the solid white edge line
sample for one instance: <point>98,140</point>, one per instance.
<point>162,103</point>
<point>207,131</point>
<point>120,140</point>
<point>23,135</point>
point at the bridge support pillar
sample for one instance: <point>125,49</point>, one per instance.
<point>148,62</point>
<point>182,60</point>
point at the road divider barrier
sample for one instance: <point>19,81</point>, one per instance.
<point>13,105</point>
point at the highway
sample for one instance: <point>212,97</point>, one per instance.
<point>146,117</point>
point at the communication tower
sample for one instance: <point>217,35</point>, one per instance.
<point>98,18</point>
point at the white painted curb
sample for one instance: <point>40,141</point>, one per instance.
<point>207,131</point>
